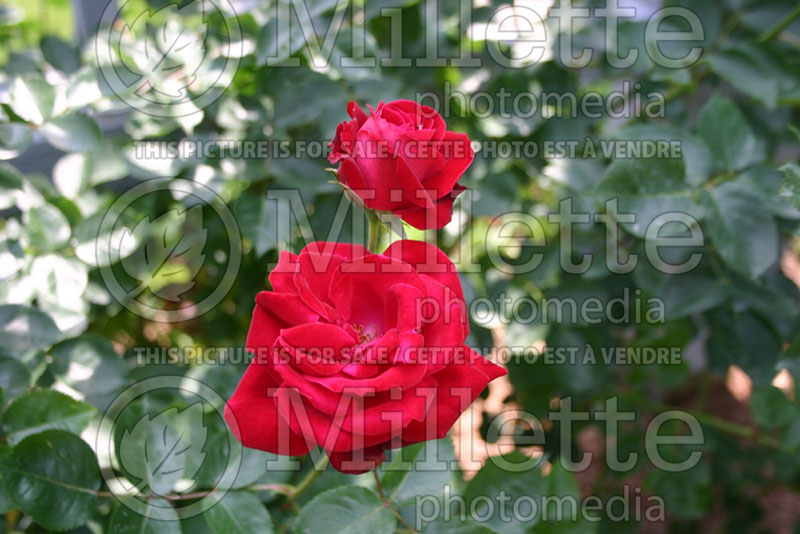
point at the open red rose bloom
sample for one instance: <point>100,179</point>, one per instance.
<point>358,353</point>
<point>401,158</point>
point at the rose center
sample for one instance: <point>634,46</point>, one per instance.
<point>365,335</point>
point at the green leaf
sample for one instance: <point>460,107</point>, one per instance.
<point>257,222</point>
<point>239,513</point>
<point>15,377</point>
<point>563,488</point>
<point>12,259</point>
<point>686,494</point>
<point>747,76</point>
<point>345,510</point>
<point>47,227</point>
<point>742,339</point>
<point>727,133</point>
<point>11,181</point>
<point>6,504</point>
<point>742,230</point>
<point>15,137</point>
<point>642,177</point>
<point>493,479</point>
<point>127,521</point>
<point>52,477</point>
<point>72,132</point>
<point>32,99</point>
<point>770,407</point>
<point>420,469</point>
<point>60,54</point>
<point>767,183</point>
<point>45,410</point>
<point>695,154</point>
<point>690,293</point>
<point>90,366</point>
<point>647,188</point>
<point>24,329</point>
<point>59,281</point>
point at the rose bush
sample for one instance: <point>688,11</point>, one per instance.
<point>401,158</point>
<point>357,352</point>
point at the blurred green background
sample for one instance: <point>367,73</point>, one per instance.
<point>69,142</point>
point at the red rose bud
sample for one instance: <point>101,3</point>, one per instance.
<point>401,158</point>
<point>357,353</point>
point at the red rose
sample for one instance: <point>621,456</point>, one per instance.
<point>357,353</point>
<point>402,159</point>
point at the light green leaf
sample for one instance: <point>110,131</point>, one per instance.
<point>15,138</point>
<point>90,366</point>
<point>45,410</point>
<point>73,132</point>
<point>24,329</point>
<point>47,227</point>
<point>32,99</point>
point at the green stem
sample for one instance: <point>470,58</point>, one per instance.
<point>388,504</point>
<point>780,26</point>
<point>311,476</point>
<point>724,425</point>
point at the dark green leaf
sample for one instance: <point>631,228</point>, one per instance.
<point>742,230</point>
<point>127,521</point>
<point>52,476</point>
<point>732,141</point>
